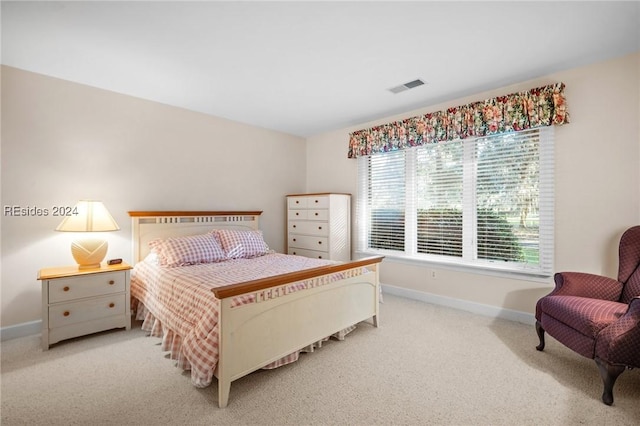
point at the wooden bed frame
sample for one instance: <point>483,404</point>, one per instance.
<point>279,323</point>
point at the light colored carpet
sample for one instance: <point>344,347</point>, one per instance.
<point>425,364</point>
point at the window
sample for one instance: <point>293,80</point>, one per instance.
<point>484,202</point>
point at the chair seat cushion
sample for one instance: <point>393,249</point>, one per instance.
<point>585,315</point>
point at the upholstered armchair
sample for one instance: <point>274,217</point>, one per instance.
<point>596,316</point>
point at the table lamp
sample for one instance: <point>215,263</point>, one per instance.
<point>89,216</point>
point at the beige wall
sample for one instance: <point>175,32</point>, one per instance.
<point>63,141</point>
<point>597,184</point>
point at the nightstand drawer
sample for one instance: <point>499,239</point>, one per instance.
<point>63,289</point>
<point>86,310</point>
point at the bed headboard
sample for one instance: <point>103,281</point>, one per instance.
<point>149,225</point>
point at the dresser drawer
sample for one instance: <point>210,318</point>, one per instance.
<point>319,202</point>
<point>309,228</point>
<point>309,253</point>
<point>63,289</point>
<point>309,242</point>
<point>297,214</point>
<point>297,202</point>
<point>86,310</point>
<point>310,214</point>
<point>318,214</point>
<point>308,202</point>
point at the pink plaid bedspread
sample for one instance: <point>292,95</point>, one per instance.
<point>177,304</point>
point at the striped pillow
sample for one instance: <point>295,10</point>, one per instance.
<point>190,250</point>
<point>242,243</point>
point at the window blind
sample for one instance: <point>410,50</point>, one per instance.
<point>485,202</point>
<point>386,188</point>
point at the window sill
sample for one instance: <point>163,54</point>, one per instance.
<point>459,267</point>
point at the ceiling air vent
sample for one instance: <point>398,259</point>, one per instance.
<point>406,86</point>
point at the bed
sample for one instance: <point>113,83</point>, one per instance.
<point>229,317</point>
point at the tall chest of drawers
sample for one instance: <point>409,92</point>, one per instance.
<point>79,302</point>
<point>319,225</point>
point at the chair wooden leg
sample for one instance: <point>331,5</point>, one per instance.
<point>540,332</point>
<point>609,374</point>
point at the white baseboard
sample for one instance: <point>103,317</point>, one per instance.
<point>476,308</point>
<point>21,330</point>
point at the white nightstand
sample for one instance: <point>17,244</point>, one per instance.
<point>76,301</point>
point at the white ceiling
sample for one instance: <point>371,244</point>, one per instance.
<point>308,67</point>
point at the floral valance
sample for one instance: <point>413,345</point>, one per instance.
<point>542,106</point>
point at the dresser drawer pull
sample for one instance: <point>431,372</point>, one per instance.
<point>66,313</point>
<point>316,213</point>
<point>297,202</point>
<point>294,226</point>
<point>112,282</point>
<point>294,239</point>
<point>319,227</point>
<point>297,214</point>
<point>111,305</point>
<point>66,288</point>
<point>320,242</point>
<point>316,201</point>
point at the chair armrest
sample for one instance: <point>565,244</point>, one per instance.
<point>618,342</point>
<point>586,285</point>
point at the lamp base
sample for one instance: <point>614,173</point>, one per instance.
<point>89,252</point>
<point>91,266</point>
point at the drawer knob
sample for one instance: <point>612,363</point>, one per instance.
<point>316,201</point>
<point>319,257</point>
<point>319,242</point>
<point>66,288</point>
<point>294,226</point>
<point>111,305</point>
<point>297,202</point>
<point>112,282</point>
<point>294,239</point>
<point>297,214</point>
<point>66,313</point>
<point>316,213</point>
<point>319,227</point>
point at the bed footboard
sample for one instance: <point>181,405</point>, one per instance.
<point>279,323</point>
